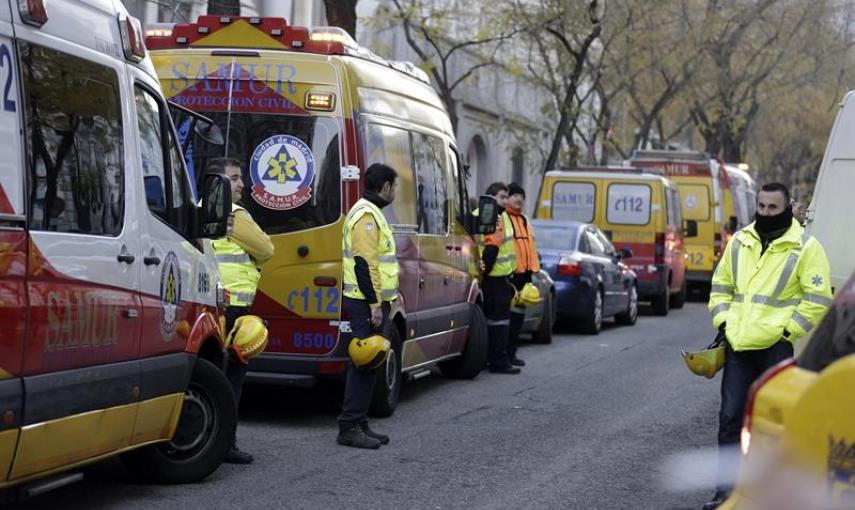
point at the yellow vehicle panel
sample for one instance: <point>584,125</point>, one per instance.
<point>800,434</point>
<point>697,203</point>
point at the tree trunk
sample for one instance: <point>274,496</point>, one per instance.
<point>224,7</point>
<point>342,13</point>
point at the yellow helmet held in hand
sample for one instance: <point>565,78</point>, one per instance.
<point>705,362</point>
<point>368,352</point>
<point>528,296</point>
<point>248,337</point>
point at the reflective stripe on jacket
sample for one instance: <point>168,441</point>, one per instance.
<point>386,260</point>
<point>503,238</point>
<point>760,295</point>
<point>238,270</point>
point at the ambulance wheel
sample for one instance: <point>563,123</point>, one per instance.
<point>203,437</point>
<point>474,356</point>
<point>661,303</point>
<point>543,334</point>
<point>679,299</point>
<point>387,385</point>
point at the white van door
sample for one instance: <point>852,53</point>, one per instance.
<point>83,277</point>
<point>831,212</point>
<point>178,281</point>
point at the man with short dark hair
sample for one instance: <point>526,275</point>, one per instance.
<point>239,257</point>
<point>370,280</point>
<point>771,287</point>
<point>497,261</point>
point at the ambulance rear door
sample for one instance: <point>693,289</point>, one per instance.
<point>13,246</point>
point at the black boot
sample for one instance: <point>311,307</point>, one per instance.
<point>351,434</point>
<point>238,456</point>
<point>718,498</point>
<point>517,362</point>
<point>384,439</point>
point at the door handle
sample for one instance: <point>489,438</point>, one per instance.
<point>125,257</point>
<point>151,260</point>
<point>421,283</point>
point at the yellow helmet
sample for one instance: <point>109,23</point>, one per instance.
<point>705,362</point>
<point>368,352</point>
<point>528,296</point>
<point>248,337</point>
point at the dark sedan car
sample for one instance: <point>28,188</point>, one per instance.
<point>591,282</point>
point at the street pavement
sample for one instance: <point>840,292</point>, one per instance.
<point>592,422</point>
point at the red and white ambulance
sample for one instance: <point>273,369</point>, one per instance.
<point>109,337</point>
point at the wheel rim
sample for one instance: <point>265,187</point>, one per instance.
<point>633,303</point>
<point>196,425</point>
<point>598,310</point>
<point>391,371</point>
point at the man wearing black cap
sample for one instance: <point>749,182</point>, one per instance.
<point>528,262</point>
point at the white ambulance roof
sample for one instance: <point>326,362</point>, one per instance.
<point>90,23</point>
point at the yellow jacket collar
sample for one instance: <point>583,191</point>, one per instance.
<point>793,236</point>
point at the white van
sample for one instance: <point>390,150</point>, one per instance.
<point>831,214</point>
<point>109,322</point>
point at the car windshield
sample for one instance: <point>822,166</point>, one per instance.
<point>555,237</point>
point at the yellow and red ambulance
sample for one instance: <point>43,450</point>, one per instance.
<point>306,110</point>
<point>693,174</point>
<point>109,337</point>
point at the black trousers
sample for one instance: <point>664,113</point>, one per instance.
<point>517,314</point>
<point>497,307</point>
<point>235,370</point>
<point>359,383</point>
<point>741,369</point>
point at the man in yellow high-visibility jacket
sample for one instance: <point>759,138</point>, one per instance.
<point>370,274</point>
<point>771,286</point>
<point>498,258</point>
<point>239,256</point>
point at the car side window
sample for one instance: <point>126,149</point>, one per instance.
<point>608,247</point>
<point>596,246</point>
<point>166,188</point>
<point>73,131</point>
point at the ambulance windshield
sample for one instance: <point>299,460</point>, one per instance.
<point>290,163</point>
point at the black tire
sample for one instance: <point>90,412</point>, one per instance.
<point>630,316</point>
<point>661,303</point>
<point>679,299</point>
<point>203,437</point>
<point>474,356</point>
<point>387,386</point>
<point>543,334</point>
<point>593,323</point>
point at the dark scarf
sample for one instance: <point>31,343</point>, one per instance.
<point>376,199</point>
<point>773,227</point>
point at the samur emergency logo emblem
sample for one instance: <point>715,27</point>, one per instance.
<point>282,169</point>
<point>170,295</point>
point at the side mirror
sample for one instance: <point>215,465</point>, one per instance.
<point>690,229</point>
<point>208,131</point>
<point>488,215</point>
<point>216,207</point>
<point>624,253</point>
<point>732,224</point>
